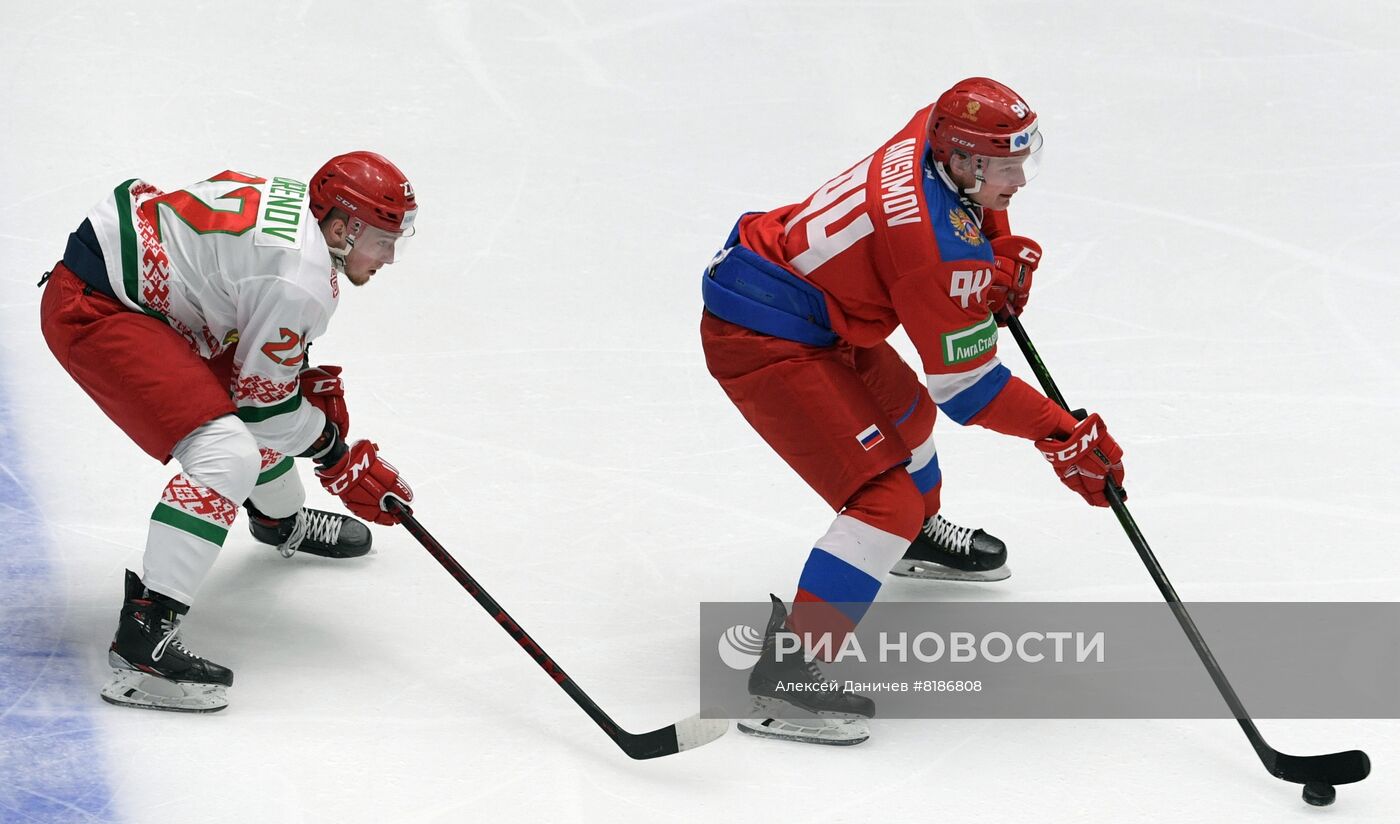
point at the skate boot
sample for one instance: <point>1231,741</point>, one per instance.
<point>785,708</point>
<point>944,551</point>
<point>152,668</point>
<point>312,531</point>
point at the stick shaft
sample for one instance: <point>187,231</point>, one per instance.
<point>1149,560</point>
<point>514,630</point>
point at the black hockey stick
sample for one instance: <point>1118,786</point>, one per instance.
<point>1332,768</point>
<point>686,734</point>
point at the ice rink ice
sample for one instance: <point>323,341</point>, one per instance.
<point>1219,211</point>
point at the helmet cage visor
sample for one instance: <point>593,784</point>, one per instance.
<point>1010,170</point>
<point>376,244</point>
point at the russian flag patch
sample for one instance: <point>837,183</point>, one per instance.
<point>870,437</point>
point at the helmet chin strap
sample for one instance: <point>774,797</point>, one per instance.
<point>964,195</point>
<point>977,176</point>
<point>976,188</point>
<point>338,257</point>
<point>340,253</point>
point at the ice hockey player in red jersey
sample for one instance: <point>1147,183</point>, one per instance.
<point>798,306</point>
<point>187,317</point>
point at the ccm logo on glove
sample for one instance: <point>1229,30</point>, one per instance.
<point>349,475</point>
<point>323,387</point>
<point>1016,260</point>
<point>364,482</point>
<point>1086,459</point>
<point>1069,453</point>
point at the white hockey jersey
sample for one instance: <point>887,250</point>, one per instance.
<point>235,261</point>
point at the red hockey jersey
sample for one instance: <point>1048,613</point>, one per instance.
<point>889,242</point>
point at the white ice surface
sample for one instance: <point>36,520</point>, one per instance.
<point>1219,212</point>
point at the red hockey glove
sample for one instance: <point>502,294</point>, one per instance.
<point>363,482</point>
<point>1016,259</point>
<point>1080,462</point>
<point>323,388</point>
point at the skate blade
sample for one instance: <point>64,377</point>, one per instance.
<point>929,571</point>
<point>130,688</point>
<point>768,707</point>
<point>834,732</point>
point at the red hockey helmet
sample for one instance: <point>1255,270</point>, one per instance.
<point>366,186</point>
<point>979,117</point>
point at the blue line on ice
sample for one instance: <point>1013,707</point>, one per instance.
<point>51,757</point>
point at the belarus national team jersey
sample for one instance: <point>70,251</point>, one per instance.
<point>233,262</point>
<point>889,242</point>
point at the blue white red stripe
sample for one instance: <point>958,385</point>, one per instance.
<point>845,570</point>
<point>961,396</point>
<point>923,466</point>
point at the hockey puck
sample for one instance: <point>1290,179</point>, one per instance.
<point>1319,794</point>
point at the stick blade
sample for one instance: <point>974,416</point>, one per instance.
<point>685,734</point>
<point>695,731</point>
<point>1333,768</point>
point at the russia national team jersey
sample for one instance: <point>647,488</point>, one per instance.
<point>233,262</point>
<point>889,243</point>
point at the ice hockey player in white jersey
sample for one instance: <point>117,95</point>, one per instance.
<point>187,316</point>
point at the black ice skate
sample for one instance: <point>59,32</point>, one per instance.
<point>785,707</point>
<point>944,551</point>
<point>152,667</point>
<point>311,531</point>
